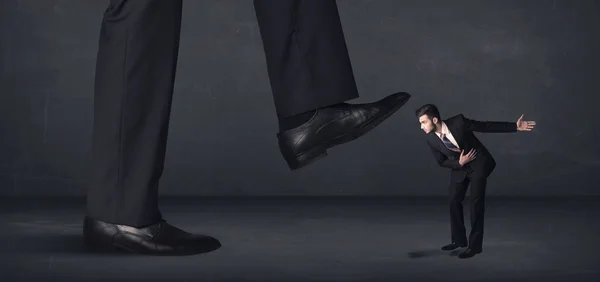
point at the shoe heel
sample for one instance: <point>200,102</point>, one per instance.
<point>296,161</point>
<point>96,241</point>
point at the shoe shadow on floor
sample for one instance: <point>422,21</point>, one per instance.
<point>54,244</point>
<point>425,253</point>
<point>432,253</point>
<point>43,243</point>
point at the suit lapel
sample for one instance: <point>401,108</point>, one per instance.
<point>456,132</point>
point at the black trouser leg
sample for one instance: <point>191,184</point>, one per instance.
<point>307,59</point>
<point>457,221</point>
<point>308,68</point>
<point>477,202</point>
<point>135,71</point>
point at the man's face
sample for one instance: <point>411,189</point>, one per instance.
<point>427,124</point>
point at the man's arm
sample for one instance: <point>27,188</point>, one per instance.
<point>489,126</point>
<point>442,160</point>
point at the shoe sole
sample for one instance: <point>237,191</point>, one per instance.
<point>111,248</point>
<point>303,159</point>
<point>453,248</point>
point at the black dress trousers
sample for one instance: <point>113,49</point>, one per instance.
<point>307,63</point>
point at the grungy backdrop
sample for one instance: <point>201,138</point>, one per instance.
<point>491,60</point>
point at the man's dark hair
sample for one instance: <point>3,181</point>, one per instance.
<point>430,110</point>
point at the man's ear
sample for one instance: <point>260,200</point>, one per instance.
<point>435,120</point>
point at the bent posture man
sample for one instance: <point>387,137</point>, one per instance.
<point>310,76</point>
<point>455,146</point>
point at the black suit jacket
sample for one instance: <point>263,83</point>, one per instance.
<point>462,129</point>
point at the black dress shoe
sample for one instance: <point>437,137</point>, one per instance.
<point>453,246</point>
<point>468,253</point>
<point>157,239</point>
<point>333,126</point>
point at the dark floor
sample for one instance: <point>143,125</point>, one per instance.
<point>370,239</point>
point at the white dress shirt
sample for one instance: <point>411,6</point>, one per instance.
<point>448,135</point>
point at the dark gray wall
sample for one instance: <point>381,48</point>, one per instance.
<point>491,60</point>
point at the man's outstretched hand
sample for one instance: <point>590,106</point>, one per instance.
<point>524,125</point>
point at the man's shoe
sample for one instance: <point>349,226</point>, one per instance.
<point>453,246</point>
<point>333,126</point>
<point>469,253</point>
<point>157,239</point>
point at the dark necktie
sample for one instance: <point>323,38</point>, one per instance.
<point>449,144</point>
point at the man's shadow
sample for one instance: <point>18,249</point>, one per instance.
<point>432,253</point>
